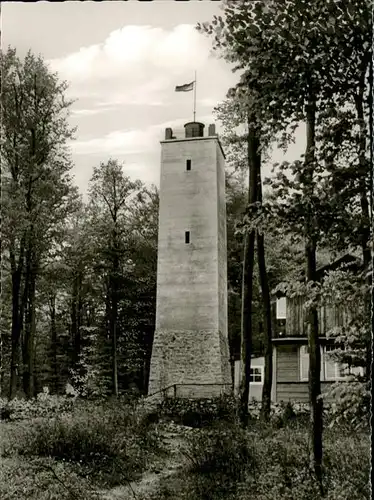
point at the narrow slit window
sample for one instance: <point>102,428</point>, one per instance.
<point>187,236</point>
<point>188,164</point>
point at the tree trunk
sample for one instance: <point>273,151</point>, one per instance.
<point>370,300</point>
<point>17,314</point>
<point>364,203</point>
<point>16,333</point>
<point>246,339</point>
<point>363,174</point>
<point>24,321</point>
<point>371,129</point>
<point>316,402</point>
<point>76,319</point>
<point>248,265</point>
<point>268,372</point>
<point>52,310</point>
<point>113,328</point>
<point>265,291</point>
<point>29,295</point>
<point>232,370</point>
<point>114,307</point>
<point>29,329</point>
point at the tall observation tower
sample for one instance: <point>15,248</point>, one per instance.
<point>190,347</point>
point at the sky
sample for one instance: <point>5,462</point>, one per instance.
<point>122,61</point>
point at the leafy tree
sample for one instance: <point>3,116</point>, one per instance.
<point>325,42</point>
<point>348,286</point>
<point>140,306</point>
<point>50,354</point>
<point>124,219</point>
<point>245,148</point>
<point>37,189</point>
<point>112,197</point>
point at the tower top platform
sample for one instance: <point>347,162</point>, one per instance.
<point>192,131</point>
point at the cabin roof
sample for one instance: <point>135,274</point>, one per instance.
<point>348,258</point>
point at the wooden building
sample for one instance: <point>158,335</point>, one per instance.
<point>290,344</point>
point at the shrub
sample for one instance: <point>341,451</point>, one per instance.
<point>218,460</point>
<point>347,461</point>
<point>44,405</point>
<point>111,441</point>
<point>266,463</point>
<point>283,466</point>
<point>283,469</point>
<point>199,412</point>
<point>41,480</point>
<point>220,450</point>
<point>351,404</point>
<point>290,414</point>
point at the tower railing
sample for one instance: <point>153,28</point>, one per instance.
<point>193,390</point>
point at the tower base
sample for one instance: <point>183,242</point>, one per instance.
<point>190,363</point>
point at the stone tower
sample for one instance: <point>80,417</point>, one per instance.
<point>190,345</point>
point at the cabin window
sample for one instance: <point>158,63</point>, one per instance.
<point>187,237</point>
<point>356,370</point>
<point>257,375</point>
<point>335,370</point>
<point>188,164</point>
<point>281,307</point>
<point>304,363</point>
<point>330,369</point>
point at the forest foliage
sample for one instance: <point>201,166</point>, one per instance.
<point>79,277</point>
<point>313,64</point>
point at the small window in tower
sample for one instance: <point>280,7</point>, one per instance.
<point>187,237</point>
<point>188,165</point>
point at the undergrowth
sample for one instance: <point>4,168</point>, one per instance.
<point>42,479</point>
<point>67,454</point>
<point>43,405</point>
<point>270,463</point>
<point>110,442</point>
<point>199,412</point>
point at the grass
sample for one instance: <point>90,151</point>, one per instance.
<point>266,463</point>
<point>100,444</point>
<point>42,479</point>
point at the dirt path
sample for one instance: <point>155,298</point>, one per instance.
<point>173,438</point>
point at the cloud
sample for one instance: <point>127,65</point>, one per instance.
<point>124,88</point>
<point>130,142</point>
<point>117,142</point>
<point>140,60</point>
<point>138,149</point>
<point>125,99</point>
<point>208,102</point>
<point>78,64</point>
<point>89,112</point>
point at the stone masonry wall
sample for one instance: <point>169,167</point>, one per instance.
<point>189,357</point>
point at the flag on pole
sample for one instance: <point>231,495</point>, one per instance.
<point>187,87</point>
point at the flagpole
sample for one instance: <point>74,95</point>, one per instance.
<point>194,99</point>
